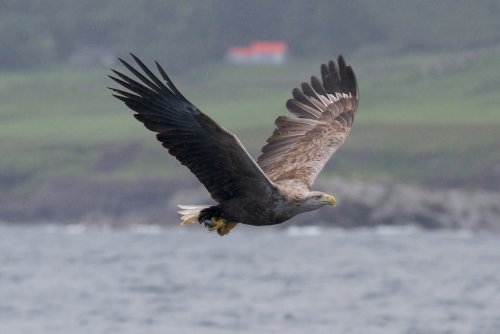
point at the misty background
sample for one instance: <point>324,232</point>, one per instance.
<point>425,141</point>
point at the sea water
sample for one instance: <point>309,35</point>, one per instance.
<point>78,279</point>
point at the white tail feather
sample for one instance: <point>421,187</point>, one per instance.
<point>189,213</point>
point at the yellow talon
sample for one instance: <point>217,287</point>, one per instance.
<point>216,224</point>
<point>220,225</point>
<point>225,230</point>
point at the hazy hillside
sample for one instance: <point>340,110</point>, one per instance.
<point>428,73</point>
<point>428,119</point>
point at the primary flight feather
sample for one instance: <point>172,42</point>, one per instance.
<point>270,190</point>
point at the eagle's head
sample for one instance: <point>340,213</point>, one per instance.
<point>317,199</point>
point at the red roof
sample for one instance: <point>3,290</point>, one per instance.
<point>259,47</point>
<point>268,47</point>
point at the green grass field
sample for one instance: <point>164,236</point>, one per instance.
<point>414,122</point>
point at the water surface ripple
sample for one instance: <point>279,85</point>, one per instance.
<point>72,279</point>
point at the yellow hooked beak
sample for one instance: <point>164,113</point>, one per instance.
<point>329,200</point>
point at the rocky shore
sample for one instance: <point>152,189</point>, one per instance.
<point>153,201</point>
<point>388,203</point>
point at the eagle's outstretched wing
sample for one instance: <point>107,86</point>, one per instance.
<point>300,146</point>
<point>213,154</point>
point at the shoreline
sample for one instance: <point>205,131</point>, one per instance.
<point>154,201</point>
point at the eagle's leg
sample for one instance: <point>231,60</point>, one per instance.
<point>215,223</point>
<point>220,225</point>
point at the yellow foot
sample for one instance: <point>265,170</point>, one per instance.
<point>215,224</point>
<point>220,225</point>
<point>225,230</point>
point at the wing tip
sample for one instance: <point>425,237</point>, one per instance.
<point>347,82</point>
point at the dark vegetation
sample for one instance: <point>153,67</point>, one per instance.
<point>35,34</point>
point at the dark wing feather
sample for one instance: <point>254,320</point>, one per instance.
<point>300,146</point>
<point>213,154</point>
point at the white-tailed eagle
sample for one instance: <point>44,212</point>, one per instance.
<point>270,190</point>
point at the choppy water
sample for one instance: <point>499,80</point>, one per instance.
<point>151,280</point>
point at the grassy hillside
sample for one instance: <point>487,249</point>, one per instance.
<point>431,119</point>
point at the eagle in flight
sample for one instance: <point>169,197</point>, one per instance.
<point>270,190</point>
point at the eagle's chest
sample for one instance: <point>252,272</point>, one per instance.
<point>258,212</point>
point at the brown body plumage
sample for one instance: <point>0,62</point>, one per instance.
<point>277,186</point>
